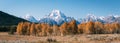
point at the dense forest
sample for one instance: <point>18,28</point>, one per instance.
<point>71,28</point>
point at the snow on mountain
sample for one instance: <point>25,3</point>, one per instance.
<point>117,19</point>
<point>58,17</point>
<point>116,16</point>
<point>93,18</point>
<point>111,19</point>
<point>38,19</point>
<point>56,14</point>
<point>48,21</point>
<point>102,19</point>
<point>68,19</point>
<point>30,18</point>
<point>90,17</point>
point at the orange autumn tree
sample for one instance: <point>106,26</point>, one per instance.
<point>38,29</point>
<point>19,28</point>
<point>56,30</point>
<point>23,28</point>
<point>64,29</point>
<point>81,28</point>
<point>107,28</point>
<point>44,28</point>
<point>99,28</point>
<point>89,28</point>
<point>115,27</point>
<point>28,25</point>
<point>72,27</point>
<point>33,29</point>
<point>49,29</point>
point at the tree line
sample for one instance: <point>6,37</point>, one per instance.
<point>71,28</point>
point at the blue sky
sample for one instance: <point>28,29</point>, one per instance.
<point>73,8</point>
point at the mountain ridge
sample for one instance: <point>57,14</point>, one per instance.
<point>56,16</point>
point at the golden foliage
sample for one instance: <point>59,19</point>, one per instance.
<point>63,29</point>
<point>43,29</point>
<point>33,29</point>
<point>81,28</point>
<point>38,29</point>
<point>22,28</point>
<point>72,27</point>
<point>99,27</point>
<point>56,30</point>
<point>89,28</point>
<point>107,28</point>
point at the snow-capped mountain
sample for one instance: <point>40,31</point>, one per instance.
<point>111,19</point>
<point>117,19</point>
<point>48,21</point>
<point>102,19</point>
<point>91,17</point>
<point>57,16</point>
<point>30,18</point>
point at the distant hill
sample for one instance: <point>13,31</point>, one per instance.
<point>8,20</point>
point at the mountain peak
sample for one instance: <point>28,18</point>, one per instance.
<point>30,18</point>
<point>56,14</point>
<point>91,16</point>
<point>56,11</point>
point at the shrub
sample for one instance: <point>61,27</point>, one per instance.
<point>12,30</point>
<point>4,28</point>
